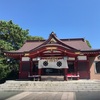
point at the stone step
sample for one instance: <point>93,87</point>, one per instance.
<point>51,86</point>
<point>52,78</point>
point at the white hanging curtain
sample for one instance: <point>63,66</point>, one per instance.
<point>61,63</point>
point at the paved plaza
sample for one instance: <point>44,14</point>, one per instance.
<point>43,96</point>
<point>50,95</point>
<point>50,90</point>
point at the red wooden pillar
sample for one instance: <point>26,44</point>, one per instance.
<point>76,65</point>
<point>39,73</point>
<point>31,64</point>
<point>76,68</point>
<point>20,68</point>
<point>65,73</point>
<point>88,66</point>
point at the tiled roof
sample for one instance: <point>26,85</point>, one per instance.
<point>78,44</point>
<point>74,44</point>
<point>29,46</point>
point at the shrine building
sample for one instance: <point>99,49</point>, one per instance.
<point>70,58</point>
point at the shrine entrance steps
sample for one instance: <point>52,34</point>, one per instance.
<point>52,78</point>
<point>51,86</point>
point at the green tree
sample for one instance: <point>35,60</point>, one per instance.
<point>34,38</point>
<point>12,37</point>
<point>12,34</point>
<point>88,43</point>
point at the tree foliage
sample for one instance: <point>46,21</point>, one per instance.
<point>12,37</point>
<point>34,38</point>
<point>12,34</point>
<point>88,43</point>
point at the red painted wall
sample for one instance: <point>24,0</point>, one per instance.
<point>83,69</point>
<point>24,70</point>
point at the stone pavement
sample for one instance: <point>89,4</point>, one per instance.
<point>81,95</point>
<point>52,78</point>
<point>51,86</point>
<point>43,96</point>
<point>50,90</point>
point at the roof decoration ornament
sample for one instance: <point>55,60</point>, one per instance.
<point>53,40</point>
<point>26,54</point>
<point>52,33</point>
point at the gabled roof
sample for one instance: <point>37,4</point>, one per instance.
<point>75,44</point>
<point>54,41</point>
<point>78,43</point>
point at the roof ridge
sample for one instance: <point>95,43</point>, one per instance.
<point>68,39</point>
<point>72,39</point>
<point>51,36</point>
<point>34,40</point>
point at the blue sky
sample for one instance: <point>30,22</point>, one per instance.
<point>67,18</point>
